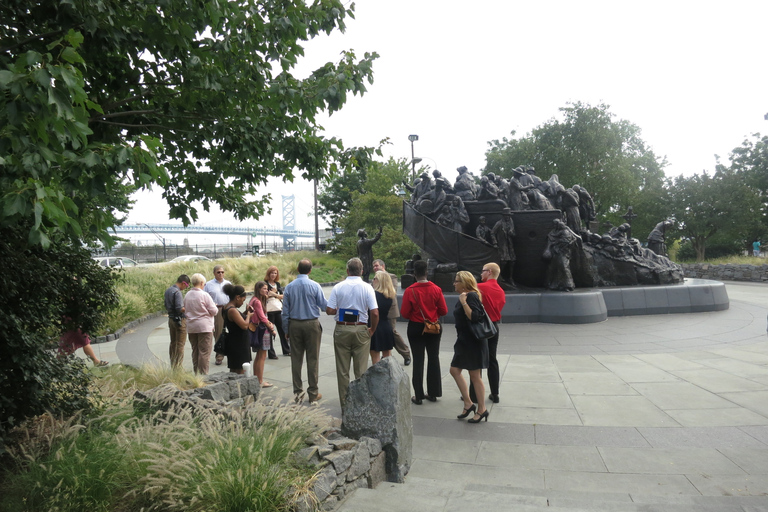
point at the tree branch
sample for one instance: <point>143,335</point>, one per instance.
<point>7,49</point>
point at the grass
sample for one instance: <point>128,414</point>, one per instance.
<point>732,260</point>
<point>141,290</point>
<point>183,459</point>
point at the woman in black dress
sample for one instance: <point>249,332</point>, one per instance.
<point>383,339</point>
<point>469,353</point>
<point>238,347</point>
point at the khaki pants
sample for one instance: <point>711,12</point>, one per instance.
<point>202,344</point>
<point>178,340</point>
<point>400,345</point>
<point>352,344</point>
<point>305,336</point>
<point>218,326</point>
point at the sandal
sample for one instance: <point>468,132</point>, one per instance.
<point>102,363</point>
<point>267,385</point>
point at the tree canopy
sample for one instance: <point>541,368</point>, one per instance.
<point>588,147</point>
<point>102,97</point>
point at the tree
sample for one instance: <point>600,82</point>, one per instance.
<point>750,161</point>
<point>372,204</point>
<point>588,147</point>
<point>104,96</point>
<point>721,204</point>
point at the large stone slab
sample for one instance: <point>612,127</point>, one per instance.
<point>379,406</point>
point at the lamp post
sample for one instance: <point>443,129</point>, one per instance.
<point>158,236</point>
<point>413,138</point>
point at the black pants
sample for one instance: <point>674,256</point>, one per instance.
<point>493,367</point>
<point>429,343</point>
<point>276,317</point>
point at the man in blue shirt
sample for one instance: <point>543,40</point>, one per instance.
<point>303,300</point>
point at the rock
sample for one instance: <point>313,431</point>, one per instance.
<point>343,443</point>
<point>217,391</point>
<point>379,406</point>
<point>374,445</point>
<point>361,463</point>
<point>325,483</point>
<point>378,472</point>
<point>341,460</point>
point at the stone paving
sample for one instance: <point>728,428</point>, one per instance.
<point>661,412</point>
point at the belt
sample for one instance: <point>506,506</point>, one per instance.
<point>302,319</point>
<point>351,323</point>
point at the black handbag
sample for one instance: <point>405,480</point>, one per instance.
<point>221,344</point>
<point>483,329</point>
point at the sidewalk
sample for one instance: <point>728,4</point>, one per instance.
<point>664,412</point>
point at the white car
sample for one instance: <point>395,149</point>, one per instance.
<point>190,257</point>
<point>115,261</point>
<point>267,252</point>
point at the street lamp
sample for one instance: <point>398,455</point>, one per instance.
<point>413,138</point>
<point>165,257</point>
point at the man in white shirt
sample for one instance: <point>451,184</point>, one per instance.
<point>351,303</point>
<point>214,289</point>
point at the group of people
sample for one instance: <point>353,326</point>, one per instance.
<point>423,304</point>
<point>211,306</point>
<point>365,316</point>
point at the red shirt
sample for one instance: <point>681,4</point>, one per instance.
<point>423,297</point>
<point>494,298</point>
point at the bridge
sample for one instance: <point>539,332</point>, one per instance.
<point>289,235</point>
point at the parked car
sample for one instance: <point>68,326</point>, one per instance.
<point>115,261</point>
<point>246,254</point>
<point>267,252</point>
<point>190,257</point>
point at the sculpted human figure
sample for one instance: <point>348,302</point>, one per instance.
<point>465,186</point>
<point>365,251</point>
<point>503,186</point>
<point>586,205</point>
<point>483,232</point>
<point>569,205</point>
<point>488,189</point>
<point>503,234</point>
<point>445,218</point>
<point>561,242</point>
<point>657,237</point>
<point>553,190</point>
<point>517,199</point>
<point>459,215</point>
<point>420,187</point>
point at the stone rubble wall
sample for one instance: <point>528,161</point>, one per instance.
<point>342,464</point>
<point>727,272</point>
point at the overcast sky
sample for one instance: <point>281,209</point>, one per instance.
<point>691,75</point>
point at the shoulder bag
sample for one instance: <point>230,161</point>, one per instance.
<point>483,329</point>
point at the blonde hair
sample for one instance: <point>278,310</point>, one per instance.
<point>494,268</point>
<point>383,284</point>
<point>468,282</point>
<point>196,279</point>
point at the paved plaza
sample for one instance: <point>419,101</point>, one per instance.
<point>640,413</point>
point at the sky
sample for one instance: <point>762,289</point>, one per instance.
<point>458,74</point>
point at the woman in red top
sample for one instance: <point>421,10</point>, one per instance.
<point>424,300</point>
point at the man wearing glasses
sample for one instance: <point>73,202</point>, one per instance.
<point>494,300</point>
<point>214,289</point>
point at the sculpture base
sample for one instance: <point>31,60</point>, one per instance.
<point>590,305</point>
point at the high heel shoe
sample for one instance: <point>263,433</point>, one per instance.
<point>466,412</point>
<point>482,417</point>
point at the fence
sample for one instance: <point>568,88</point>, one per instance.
<point>158,253</point>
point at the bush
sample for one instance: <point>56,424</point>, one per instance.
<point>715,249</point>
<point>50,292</point>
<point>185,460</point>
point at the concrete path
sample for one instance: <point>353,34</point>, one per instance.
<point>651,413</point>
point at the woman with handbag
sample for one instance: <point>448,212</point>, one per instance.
<point>261,330</point>
<point>275,309</point>
<point>470,352</point>
<point>423,305</point>
<point>383,339</point>
<point>237,346</point>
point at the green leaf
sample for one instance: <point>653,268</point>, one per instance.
<point>70,55</point>
<point>6,77</point>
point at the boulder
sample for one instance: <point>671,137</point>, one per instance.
<point>379,406</point>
